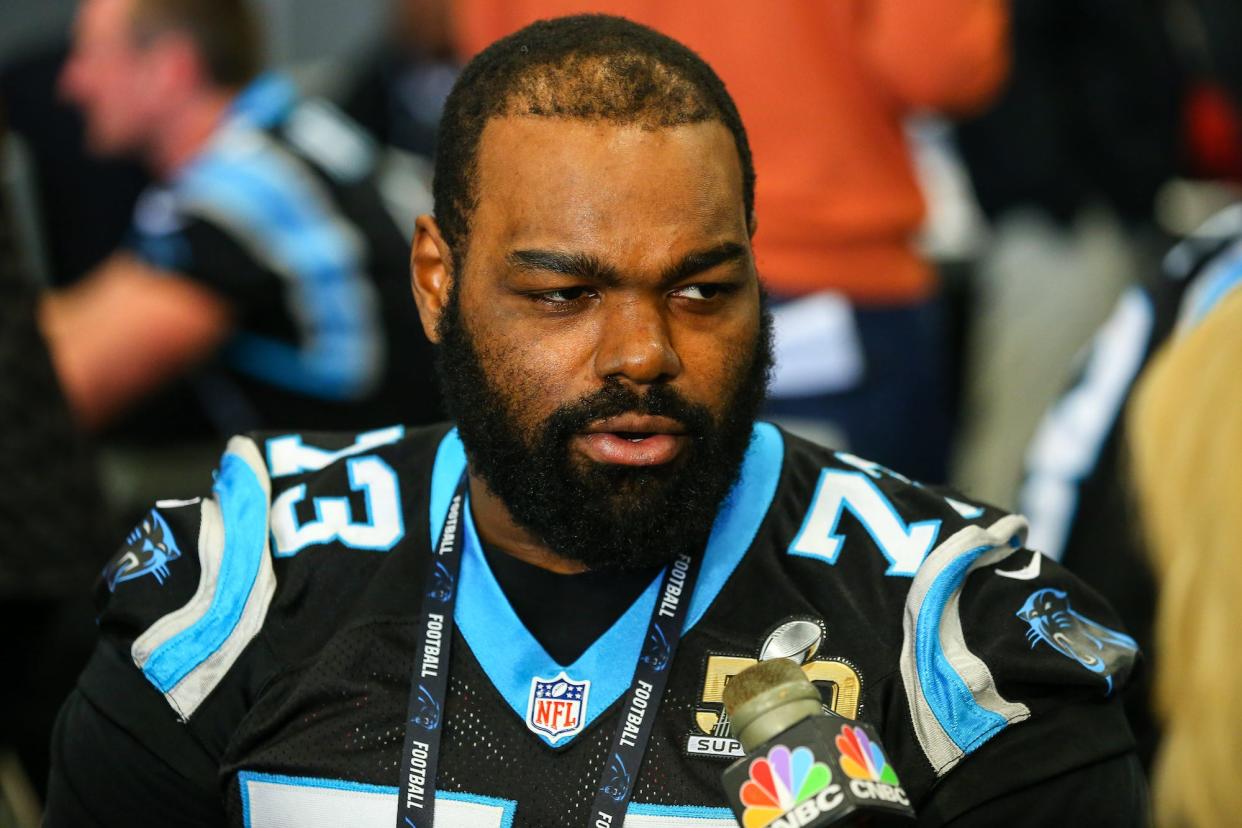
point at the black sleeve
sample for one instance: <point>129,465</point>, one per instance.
<point>103,775</point>
<point>121,753</point>
<point>1111,793</point>
<point>1011,676</point>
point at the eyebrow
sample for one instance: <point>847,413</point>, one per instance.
<point>580,265</point>
<point>702,261</point>
<point>591,268</point>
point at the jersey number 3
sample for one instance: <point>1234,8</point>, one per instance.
<point>377,526</point>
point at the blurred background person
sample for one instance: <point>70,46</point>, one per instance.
<point>1066,166</point>
<point>79,203</point>
<point>395,89</point>
<point>263,282</point>
<point>861,350</point>
<point>1185,434</point>
<point>1076,488</point>
<point>51,514</point>
<point>398,93</point>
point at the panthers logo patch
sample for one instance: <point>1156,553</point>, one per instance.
<point>1101,650</point>
<point>148,550</point>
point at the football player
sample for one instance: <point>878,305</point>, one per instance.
<point>528,618</point>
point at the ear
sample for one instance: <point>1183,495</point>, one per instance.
<point>431,273</point>
<point>752,226</point>
<point>178,66</point>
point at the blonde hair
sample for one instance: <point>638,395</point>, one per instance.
<point>1185,433</point>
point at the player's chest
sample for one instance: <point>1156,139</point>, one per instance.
<point>524,748</point>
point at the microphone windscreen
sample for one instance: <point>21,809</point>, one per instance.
<point>758,679</point>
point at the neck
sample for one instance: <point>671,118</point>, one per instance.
<point>186,131</point>
<point>498,529</point>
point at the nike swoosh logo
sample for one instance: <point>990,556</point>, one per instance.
<point>1026,573</point>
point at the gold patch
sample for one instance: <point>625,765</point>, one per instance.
<point>838,677</point>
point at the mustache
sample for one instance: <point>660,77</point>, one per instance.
<point>615,399</point>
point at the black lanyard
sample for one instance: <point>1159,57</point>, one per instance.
<point>429,683</point>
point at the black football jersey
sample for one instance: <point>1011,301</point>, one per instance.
<point>281,215</point>
<point>258,643</point>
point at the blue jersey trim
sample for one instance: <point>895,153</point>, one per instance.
<point>740,516</point>
<point>508,806</point>
<point>682,811</point>
<point>963,719</point>
<point>243,510</point>
<point>510,655</point>
<point>447,469</point>
<point>266,100</point>
<point>253,188</point>
<point>1220,286</point>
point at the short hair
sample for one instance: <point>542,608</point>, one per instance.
<point>227,33</point>
<point>584,67</point>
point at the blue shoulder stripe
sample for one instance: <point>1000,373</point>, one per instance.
<point>954,703</point>
<point>186,653</point>
<point>261,195</point>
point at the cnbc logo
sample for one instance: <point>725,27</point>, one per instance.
<point>788,789</point>
<point>864,762</point>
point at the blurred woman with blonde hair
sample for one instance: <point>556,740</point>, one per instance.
<point>1185,432</point>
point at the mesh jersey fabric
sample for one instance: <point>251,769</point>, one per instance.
<point>951,661</point>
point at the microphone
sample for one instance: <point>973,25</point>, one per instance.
<point>804,767</point>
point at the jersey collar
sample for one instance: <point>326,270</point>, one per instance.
<point>510,655</point>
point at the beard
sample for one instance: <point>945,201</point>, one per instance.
<point>604,516</point>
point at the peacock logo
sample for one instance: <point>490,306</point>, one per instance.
<point>784,781</point>
<point>862,758</point>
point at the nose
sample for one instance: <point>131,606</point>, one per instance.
<point>635,344</point>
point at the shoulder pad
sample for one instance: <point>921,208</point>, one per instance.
<point>952,696</point>
<point>1019,638</point>
<point>193,582</point>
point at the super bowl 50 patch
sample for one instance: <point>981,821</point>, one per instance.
<point>798,640</point>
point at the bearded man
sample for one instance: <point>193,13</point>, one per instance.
<point>528,619</point>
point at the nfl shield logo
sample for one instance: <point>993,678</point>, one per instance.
<point>557,707</point>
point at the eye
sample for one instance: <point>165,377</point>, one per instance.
<point>562,296</point>
<point>702,292</point>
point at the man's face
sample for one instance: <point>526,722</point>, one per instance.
<point>109,77</point>
<point>604,349</point>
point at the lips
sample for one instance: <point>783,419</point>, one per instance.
<point>633,440</point>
